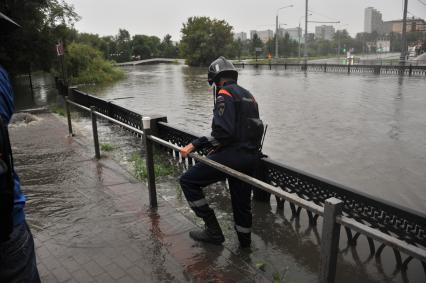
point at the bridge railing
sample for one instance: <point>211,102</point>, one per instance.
<point>400,229</point>
<point>408,69</point>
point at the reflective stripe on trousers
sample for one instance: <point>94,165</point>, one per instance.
<point>241,229</point>
<point>198,203</point>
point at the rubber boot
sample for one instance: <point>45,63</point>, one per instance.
<point>245,239</point>
<point>211,233</point>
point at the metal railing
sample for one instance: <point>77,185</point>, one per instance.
<point>408,69</point>
<point>401,229</point>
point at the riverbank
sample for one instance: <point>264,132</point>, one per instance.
<point>92,222</point>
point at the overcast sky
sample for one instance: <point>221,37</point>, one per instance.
<point>160,17</point>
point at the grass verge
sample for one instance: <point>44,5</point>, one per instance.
<point>162,166</point>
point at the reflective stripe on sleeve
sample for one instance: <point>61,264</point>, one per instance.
<point>198,203</point>
<point>242,229</point>
<point>225,92</point>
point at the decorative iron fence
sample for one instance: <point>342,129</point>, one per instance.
<point>392,226</point>
<point>408,70</point>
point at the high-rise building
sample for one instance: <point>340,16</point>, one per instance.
<point>324,32</point>
<point>264,35</point>
<point>240,36</point>
<point>293,33</point>
<point>372,20</point>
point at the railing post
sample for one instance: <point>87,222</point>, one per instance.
<point>95,132</point>
<point>325,67</point>
<point>410,70</point>
<point>330,240</point>
<point>149,159</point>
<point>67,109</point>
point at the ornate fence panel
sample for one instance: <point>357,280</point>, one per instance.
<point>402,223</point>
<point>408,69</point>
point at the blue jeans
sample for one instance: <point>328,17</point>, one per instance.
<point>17,257</point>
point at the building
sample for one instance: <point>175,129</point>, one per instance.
<point>324,32</point>
<point>293,33</point>
<point>413,25</point>
<point>264,35</point>
<point>372,20</point>
<point>240,36</point>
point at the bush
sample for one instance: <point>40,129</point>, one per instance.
<point>85,64</point>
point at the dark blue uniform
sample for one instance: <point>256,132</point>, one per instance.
<point>235,143</point>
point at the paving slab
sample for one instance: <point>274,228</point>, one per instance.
<point>92,222</point>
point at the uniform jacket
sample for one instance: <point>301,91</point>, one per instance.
<point>233,105</point>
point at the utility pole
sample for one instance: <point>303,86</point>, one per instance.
<point>276,29</point>
<point>276,36</point>
<point>404,35</point>
<point>305,50</point>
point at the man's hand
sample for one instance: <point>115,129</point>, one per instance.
<point>187,150</point>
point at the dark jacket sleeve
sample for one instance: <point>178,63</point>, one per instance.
<point>223,124</point>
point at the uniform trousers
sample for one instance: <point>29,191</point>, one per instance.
<point>201,175</point>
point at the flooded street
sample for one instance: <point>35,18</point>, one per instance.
<point>366,132</point>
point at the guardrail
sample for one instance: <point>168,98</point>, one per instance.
<point>409,70</point>
<point>392,226</point>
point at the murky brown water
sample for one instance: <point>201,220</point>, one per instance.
<point>364,131</point>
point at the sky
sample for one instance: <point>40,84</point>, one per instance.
<point>161,17</point>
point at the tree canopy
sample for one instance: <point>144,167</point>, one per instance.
<point>43,22</point>
<point>205,39</point>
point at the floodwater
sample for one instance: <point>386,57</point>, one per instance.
<point>367,132</point>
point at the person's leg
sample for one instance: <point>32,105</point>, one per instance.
<point>17,257</point>
<point>241,206</point>
<point>192,183</point>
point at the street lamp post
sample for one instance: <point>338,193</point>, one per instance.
<point>299,32</point>
<point>276,29</point>
<point>305,50</point>
<point>338,41</point>
<point>404,35</point>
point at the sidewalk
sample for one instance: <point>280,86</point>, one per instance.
<point>92,222</point>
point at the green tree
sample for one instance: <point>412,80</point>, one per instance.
<point>144,46</point>
<point>205,39</point>
<point>85,64</point>
<point>255,42</point>
<point>123,51</point>
<point>168,48</point>
<point>95,41</point>
<point>43,23</point>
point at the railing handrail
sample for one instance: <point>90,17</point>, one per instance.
<point>409,249</point>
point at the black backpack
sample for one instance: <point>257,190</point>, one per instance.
<point>6,184</point>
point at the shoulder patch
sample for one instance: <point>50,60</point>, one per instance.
<point>220,99</point>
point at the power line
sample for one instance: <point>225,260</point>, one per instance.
<point>421,2</point>
<point>322,15</point>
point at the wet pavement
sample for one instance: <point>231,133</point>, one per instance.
<point>92,222</point>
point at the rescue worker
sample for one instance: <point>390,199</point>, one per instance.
<point>17,255</point>
<point>235,142</point>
